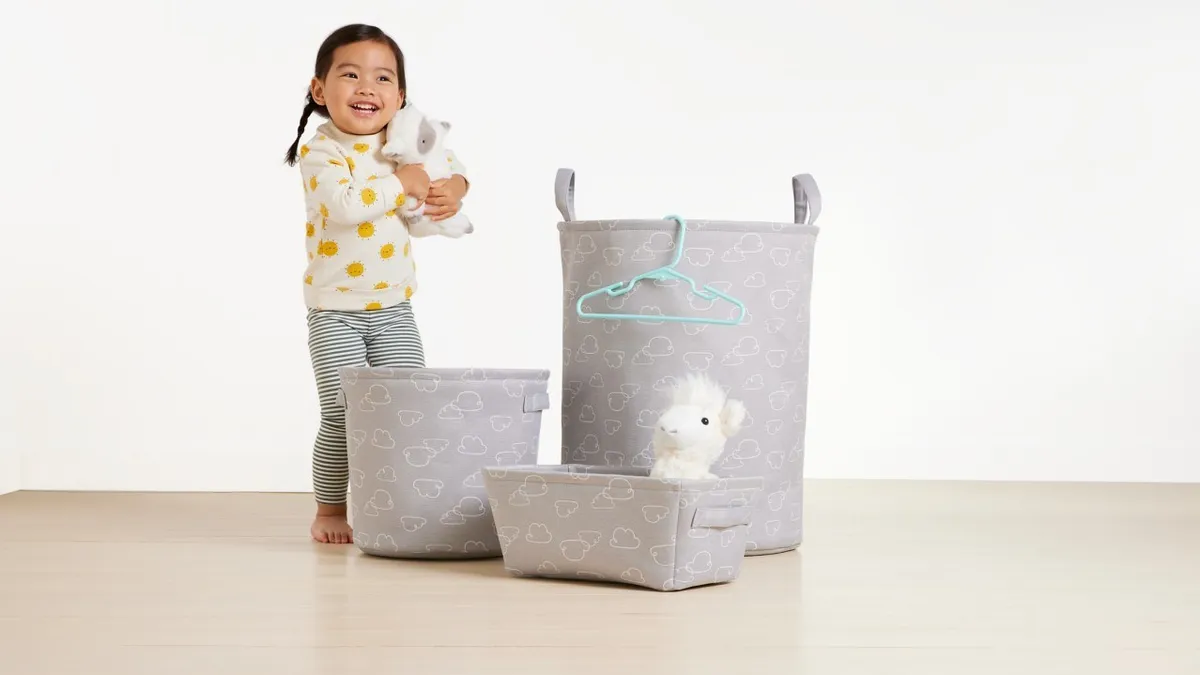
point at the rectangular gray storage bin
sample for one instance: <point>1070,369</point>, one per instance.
<point>617,372</point>
<point>418,439</point>
<point>620,525</point>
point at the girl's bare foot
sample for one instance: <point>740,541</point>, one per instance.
<point>330,525</point>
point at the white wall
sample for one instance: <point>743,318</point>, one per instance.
<point>10,470</point>
<point>1006,283</point>
<point>10,453</point>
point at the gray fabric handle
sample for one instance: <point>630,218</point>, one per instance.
<point>536,402</point>
<point>564,193</point>
<point>808,199</point>
<point>722,517</point>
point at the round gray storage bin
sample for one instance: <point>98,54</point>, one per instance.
<point>418,439</point>
<point>617,370</point>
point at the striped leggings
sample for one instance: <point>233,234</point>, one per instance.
<point>383,338</point>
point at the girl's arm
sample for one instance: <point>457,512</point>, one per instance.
<point>348,199</point>
<point>457,168</point>
<point>445,195</point>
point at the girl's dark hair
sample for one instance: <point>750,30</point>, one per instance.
<point>346,35</point>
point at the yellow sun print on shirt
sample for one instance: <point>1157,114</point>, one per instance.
<point>372,177</point>
<point>308,280</point>
<point>366,230</point>
<point>312,183</point>
<point>407,249</point>
<point>368,196</point>
<point>399,200</point>
<point>310,229</point>
<point>381,286</point>
<point>324,210</point>
<point>350,163</point>
<point>355,269</point>
<point>361,148</point>
<point>387,251</point>
<point>336,162</point>
<point>327,248</point>
<point>408,293</point>
<point>343,181</point>
<point>374,305</point>
<point>391,214</point>
<point>304,151</point>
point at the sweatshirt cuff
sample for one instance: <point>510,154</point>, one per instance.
<point>392,190</point>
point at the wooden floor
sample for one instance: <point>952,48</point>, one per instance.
<point>893,578</point>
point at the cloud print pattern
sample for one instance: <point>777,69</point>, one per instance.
<point>620,525</point>
<point>417,489</point>
<point>617,374</point>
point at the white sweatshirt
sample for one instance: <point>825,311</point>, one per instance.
<point>359,250</point>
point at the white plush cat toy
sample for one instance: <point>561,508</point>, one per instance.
<point>413,138</point>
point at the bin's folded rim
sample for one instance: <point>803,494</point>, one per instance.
<point>583,474</point>
<point>467,375</point>
<point>648,224</point>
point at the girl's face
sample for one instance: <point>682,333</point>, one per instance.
<point>361,90</point>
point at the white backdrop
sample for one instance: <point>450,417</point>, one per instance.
<point>1006,275</point>
<point>10,469</point>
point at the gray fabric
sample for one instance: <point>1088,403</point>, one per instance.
<point>564,193</point>
<point>418,439</point>
<point>616,372</point>
<point>620,525</point>
<point>807,198</point>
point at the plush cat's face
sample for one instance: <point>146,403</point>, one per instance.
<point>413,136</point>
<point>427,136</point>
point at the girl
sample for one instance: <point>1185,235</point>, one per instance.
<point>360,273</point>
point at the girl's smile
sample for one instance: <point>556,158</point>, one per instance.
<point>364,109</point>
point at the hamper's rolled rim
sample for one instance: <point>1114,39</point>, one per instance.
<point>463,374</point>
<point>693,225</point>
<point>639,479</point>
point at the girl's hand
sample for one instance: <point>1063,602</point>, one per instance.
<point>445,197</point>
<point>415,181</point>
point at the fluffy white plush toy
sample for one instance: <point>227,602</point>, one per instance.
<point>413,138</point>
<point>690,435</point>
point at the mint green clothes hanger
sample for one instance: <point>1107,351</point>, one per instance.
<point>662,274</point>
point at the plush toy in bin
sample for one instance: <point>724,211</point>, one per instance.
<point>690,435</point>
<point>414,138</point>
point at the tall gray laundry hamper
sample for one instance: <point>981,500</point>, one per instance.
<point>417,441</point>
<point>733,303</point>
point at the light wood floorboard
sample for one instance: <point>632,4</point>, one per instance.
<point>893,577</point>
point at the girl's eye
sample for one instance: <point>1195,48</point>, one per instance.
<point>704,421</point>
<point>350,75</point>
<point>384,78</point>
